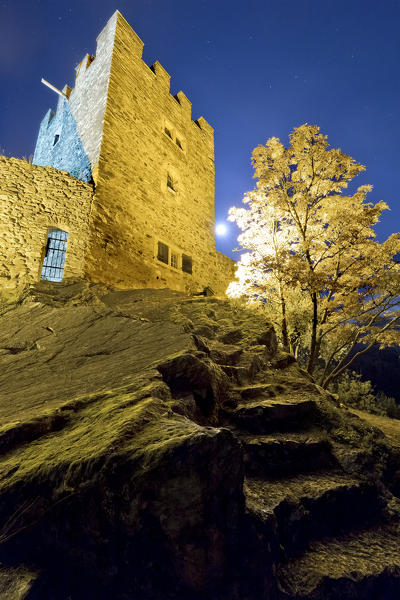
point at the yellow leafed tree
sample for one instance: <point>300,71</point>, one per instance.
<point>312,259</point>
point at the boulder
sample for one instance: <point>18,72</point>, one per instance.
<point>196,373</point>
<point>127,495</point>
<point>231,337</point>
<point>268,338</point>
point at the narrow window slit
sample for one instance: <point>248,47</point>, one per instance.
<point>170,183</point>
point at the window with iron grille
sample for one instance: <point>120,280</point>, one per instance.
<point>162,253</point>
<point>54,258</point>
<point>186,263</point>
<point>174,260</point>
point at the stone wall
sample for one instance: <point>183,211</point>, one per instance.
<point>150,145</point>
<point>78,122</point>
<point>33,199</point>
<point>59,144</point>
<point>224,272</point>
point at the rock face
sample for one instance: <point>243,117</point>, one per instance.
<point>155,446</point>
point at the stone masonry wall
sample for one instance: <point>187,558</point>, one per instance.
<point>79,121</point>
<point>224,273</point>
<point>33,199</point>
<point>59,144</point>
<point>148,137</point>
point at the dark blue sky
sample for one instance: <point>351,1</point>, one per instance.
<point>253,69</point>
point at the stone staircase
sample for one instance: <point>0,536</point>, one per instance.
<point>321,533</point>
<point>118,483</point>
<point>358,564</point>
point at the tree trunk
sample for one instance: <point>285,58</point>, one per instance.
<point>285,336</point>
<point>313,346</point>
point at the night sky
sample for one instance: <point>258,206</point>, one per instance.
<point>253,69</point>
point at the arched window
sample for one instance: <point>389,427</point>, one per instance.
<point>54,258</point>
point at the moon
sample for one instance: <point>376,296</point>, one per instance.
<point>221,229</point>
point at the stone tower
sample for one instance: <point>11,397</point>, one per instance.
<point>152,217</point>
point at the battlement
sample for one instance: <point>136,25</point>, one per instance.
<point>162,76</point>
<point>83,65</point>
<point>134,45</point>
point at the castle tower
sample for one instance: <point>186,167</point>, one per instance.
<point>152,216</point>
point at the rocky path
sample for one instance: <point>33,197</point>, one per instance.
<point>390,427</point>
<point>155,446</point>
<point>332,534</point>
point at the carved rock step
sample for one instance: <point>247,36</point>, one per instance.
<point>356,460</point>
<point>311,506</point>
<point>236,374</point>
<point>264,415</point>
<point>259,390</point>
<point>283,454</point>
<point>356,566</point>
<point>244,369</point>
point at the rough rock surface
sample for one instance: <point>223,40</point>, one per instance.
<point>158,446</point>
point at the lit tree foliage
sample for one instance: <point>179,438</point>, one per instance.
<point>313,260</point>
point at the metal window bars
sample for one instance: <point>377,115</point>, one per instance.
<point>186,264</point>
<point>54,259</point>
<point>163,252</point>
<point>174,260</point>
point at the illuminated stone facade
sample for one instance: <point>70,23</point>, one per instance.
<point>151,222</point>
<point>32,200</point>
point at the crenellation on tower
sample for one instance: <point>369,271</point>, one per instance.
<point>163,77</point>
<point>47,118</point>
<point>106,35</point>
<point>185,103</point>
<point>80,69</point>
<point>205,126</point>
<point>132,42</point>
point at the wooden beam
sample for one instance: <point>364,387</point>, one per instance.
<point>57,91</point>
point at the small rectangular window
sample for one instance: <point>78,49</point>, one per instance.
<point>162,253</point>
<point>174,260</point>
<point>179,143</point>
<point>186,263</point>
<point>56,138</point>
<point>167,131</point>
